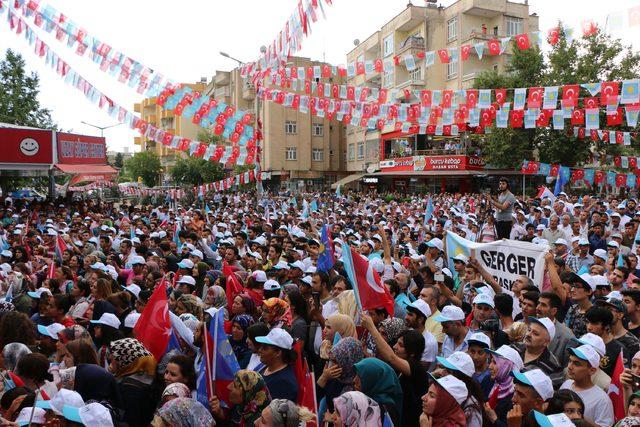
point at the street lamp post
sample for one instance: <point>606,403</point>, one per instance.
<point>102,128</point>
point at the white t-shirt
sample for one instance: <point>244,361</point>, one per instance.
<point>430,347</point>
<point>597,404</point>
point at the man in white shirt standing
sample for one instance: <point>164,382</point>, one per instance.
<point>417,314</point>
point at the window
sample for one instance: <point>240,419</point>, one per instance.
<point>360,150</point>
<point>416,75</point>
<point>495,68</point>
<point>317,155</point>
<point>514,26</point>
<point>318,129</point>
<point>290,128</point>
<point>352,152</point>
<point>387,80</point>
<point>495,31</point>
<point>452,29</point>
<point>387,45</point>
<point>291,153</point>
<point>452,70</point>
<point>331,153</point>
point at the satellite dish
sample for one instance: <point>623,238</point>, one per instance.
<point>371,169</point>
<point>356,42</point>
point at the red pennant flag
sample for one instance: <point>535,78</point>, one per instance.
<point>621,181</point>
<point>598,177</point>
<point>633,161</point>
<point>553,172</point>
<point>485,118</point>
<point>577,175</point>
<point>522,41</point>
<point>472,98</point>
<point>501,96</point>
<point>591,102</point>
<point>153,329</point>
<point>609,93</point>
<point>535,97</point>
<point>594,135</point>
<point>577,117</point>
<point>444,56</point>
<point>425,98</point>
<point>581,133</point>
<point>465,51</point>
<point>553,36</point>
<point>447,95</point>
<point>378,65</point>
<point>570,95</point>
<point>615,119</point>
<point>494,47</point>
<point>516,118</point>
<point>589,28</point>
<point>620,140</point>
<point>359,68</point>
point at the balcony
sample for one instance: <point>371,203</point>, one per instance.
<point>137,107</point>
<point>485,8</point>
<point>222,78</point>
<point>221,92</point>
<point>248,92</point>
<point>411,45</point>
<point>411,17</point>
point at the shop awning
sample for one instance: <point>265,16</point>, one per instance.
<point>347,180</point>
<point>87,169</point>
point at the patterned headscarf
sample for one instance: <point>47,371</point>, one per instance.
<point>240,346</point>
<point>629,422</point>
<point>357,410</point>
<point>280,310</point>
<point>192,304</point>
<point>132,357</point>
<point>255,397</point>
<point>6,306</point>
<point>185,412</point>
<point>347,352</point>
<point>177,390</point>
<point>341,324</point>
<point>216,297</point>
<point>503,381</point>
<point>393,328</point>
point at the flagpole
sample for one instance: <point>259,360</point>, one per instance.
<point>215,358</point>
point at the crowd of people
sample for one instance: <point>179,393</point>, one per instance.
<point>457,349</point>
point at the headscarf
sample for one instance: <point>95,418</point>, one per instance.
<point>341,324</point>
<point>177,390</point>
<point>281,312</point>
<point>393,328</point>
<point>12,352</point>
<point>503,380</point>
<point>152,266</point>
<point>379,381</point>
<point>6,306</point>
<point>192,304</point>
<point>347,352</point>
<point>216,297</point>
<point>447,413</point>
<point>255,397</point>
<point>132,357</point>
<point>73,332</point>
<point>185,412</point>
<point>244,321</point>
<point>629,422</point>
<point>93,382</point>
<point>357,410</point>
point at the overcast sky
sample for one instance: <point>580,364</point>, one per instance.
<point>182,40</point>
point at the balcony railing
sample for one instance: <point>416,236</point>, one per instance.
<point>412,42</point>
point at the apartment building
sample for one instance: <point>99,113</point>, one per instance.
<point>153,113</point>
<point>430,28</point>
<point>301,151</point>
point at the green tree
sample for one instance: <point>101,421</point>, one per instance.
<point>119,160</point>
<point>145,164</point>
<point>19,103</point>
<point>196,171</point>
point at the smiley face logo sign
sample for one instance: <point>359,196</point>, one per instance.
<point>29,147</point>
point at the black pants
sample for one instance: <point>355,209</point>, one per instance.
<point>503,228</point>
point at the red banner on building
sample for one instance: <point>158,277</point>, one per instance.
<point>81,149</point>
<point>26,146</point>
<point>432,163</point>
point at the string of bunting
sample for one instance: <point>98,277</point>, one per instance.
<point>201,109</point>
<point>227,183</point>
<point>171,193</point>
<point>586,176</point>
<point>240,155</point>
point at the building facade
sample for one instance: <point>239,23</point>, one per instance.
<point>430,28</point>
<point>153,113</point>
<point>301,151</point>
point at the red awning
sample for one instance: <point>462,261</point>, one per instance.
<point>87,169</point>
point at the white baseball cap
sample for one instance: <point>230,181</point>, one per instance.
<point>277,337</point>
<point>456,388</point>
<point>583,242</point>
<point>108,319</point>
<point>131,319</point>
<point>480,338</point>
<point>134,289</point>
<point>187,280</point>
<point>601,253</point>
<point>594,341</point>
<point>25,418</point>
<point>281,265</point>
<point>461,257</point>
<point>484,298</point>
<point>435,243</point>
<point>6,253</point>
<point>271,285</point>
<point>587,353</point>
<point>509,353</point>
<point>93,414</point>
<point>298,264</point>
<point>138,260</point>
<point>561,241</point>
<point>198,253</point>
<point>458,361</point>
<point>421,306</point>
<point>546,323</point>
<point>63,397</point>
<point>308,280</point>
<point>98,266</point>
<point>255,255</point>
<point>37,294</point>
<point>51,331</point>
<point>450,313</point>
<point>555,420</point>
<point>537,379</point>
<point>613,244</point>
<point>186,264</point>
<point>599,280</point>
<point>259,276</point>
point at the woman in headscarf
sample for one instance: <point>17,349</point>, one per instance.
<point>134,368</point>
<point>238,339</point>
<point>285,413</point>
<point>336,324</point>
<point>96,383</point>
<point>249,395</point>
<point>189,304</point>
<point>183,412</point>
<point>500,368</point>
<point>199,273</point>
<point>440,408</point>
<point>379,381</point>
<point>276,313</point>
<point>243,304</point>
<point>174,391</point>
<point>355,409</point>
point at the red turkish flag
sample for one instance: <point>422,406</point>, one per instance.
<point>581,133</point>
<point>447,95</point>
<point>609,93</point>
<point>516,118</point>
<point>555,168</point>
<point>621,179</point>
<point>501,96</point>
<point>598,177</point>
<point>472,98</point>
<point>320,89</point>
<point>577,117</point>
<point>382,96</point>
<point>425,98</point>
<point>543,119</point>
<point>307,87</point>
<point>615,119</point>
<point>351,93</point>
<point>431,129</point>
<point>494,47</point>
<point>380,124</point>
<point>485,118</point>
<point>634,16</point>
<point>444,56</point>
<point>591,102</point>
<point>577,175</point>
<point>589,28</point>
<point>464,52</point>
<point>633,162</point>
<point>553,36</point>
<point>533,167</point>
<point>335,91</point>
<point>378,65</point>
<point>522,41</point>
<point>294,72</point>
<point>535,97</point>
<point>360,68</point>
<point>217,155</point>
<point>620,140</point>
<point>446,130</point>
<point>570,94</point>
<point>594,135</point>
<point>617,161</point>
<point>202,147</point>
<point>309,73</point>
<point>154,328</point>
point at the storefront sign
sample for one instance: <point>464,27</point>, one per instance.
<point>432,163</point>
<point>81,149</point>
<point>370,180</point>
<point>26,146</point>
